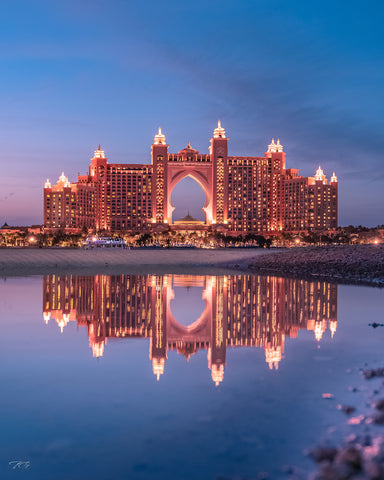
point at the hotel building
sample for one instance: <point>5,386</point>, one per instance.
<point>243,194</point>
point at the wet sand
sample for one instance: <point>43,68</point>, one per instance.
<point>40,261</point>
<point>352,264</point>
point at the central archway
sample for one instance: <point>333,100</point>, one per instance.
<point>188,197</point>
<point>177,176</point>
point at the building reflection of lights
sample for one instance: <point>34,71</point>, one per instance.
<point>240,311</point>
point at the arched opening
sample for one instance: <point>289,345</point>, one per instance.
<point>188,196</point>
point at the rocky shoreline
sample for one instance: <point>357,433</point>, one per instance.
<point>361,456</point>
<point>352,264</point>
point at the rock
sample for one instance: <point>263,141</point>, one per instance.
<point>380,404</point>
<point>341,471</point>
<point>347,409</point>
<point>374,471</point>
<point>372,373</point>
<point>349,456</point>
<point>378,419</point>
<point>320,454</point>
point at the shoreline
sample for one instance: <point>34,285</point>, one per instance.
<point>344,264</point>
<point>26,261</point>
<point>352,264</point>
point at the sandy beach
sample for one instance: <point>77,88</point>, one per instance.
<point>24,261</point>
<point>353,264</point>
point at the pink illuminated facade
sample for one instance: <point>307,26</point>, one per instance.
<point>240,311</point>
<point>243,194</point>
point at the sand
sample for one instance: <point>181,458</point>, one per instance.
<point>353,264</point>
<point>40,261</point>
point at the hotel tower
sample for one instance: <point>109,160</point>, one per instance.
<point>243,194</point>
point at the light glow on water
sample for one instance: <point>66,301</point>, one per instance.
<point>108,377</point>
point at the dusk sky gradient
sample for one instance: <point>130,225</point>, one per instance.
<point>78,73</point>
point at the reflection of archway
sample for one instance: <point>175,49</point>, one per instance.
<point>177,173</point>
<point>200,329</point>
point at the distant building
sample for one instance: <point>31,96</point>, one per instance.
<point>243,194</point>
<point>310,203</point>
<point>69,205</point>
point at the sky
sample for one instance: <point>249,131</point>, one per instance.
<point>78,73</point>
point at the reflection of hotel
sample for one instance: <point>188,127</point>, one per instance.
<point>243,194</point>
<point>240,311</point>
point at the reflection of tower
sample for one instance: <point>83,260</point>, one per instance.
<point>322,306</point>
<point>273,355</point>
<point>97,325</point>
<point>332,327</point>
<point>59,300</point>
<point>158,346</point>
<point>274,345</point>
<point>217,349</point>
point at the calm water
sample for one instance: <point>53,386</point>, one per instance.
<point>176,377</point>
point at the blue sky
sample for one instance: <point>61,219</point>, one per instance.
<point>78,73</point>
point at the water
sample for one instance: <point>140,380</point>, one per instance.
<point>176,376</point>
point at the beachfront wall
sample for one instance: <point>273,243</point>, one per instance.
<point>243,194</point>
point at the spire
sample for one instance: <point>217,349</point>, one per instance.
<point>272,146</point>
<point>333,178</point>
<point>189,145</point>
<point>319,174</point>
<point>64,180</point>
<point>275,147</point>
<point>219,131</point>
<point>99,153</point>
<point>159,138</point>
<point>47,184</point>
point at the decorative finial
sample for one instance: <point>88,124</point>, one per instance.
<point>333,178</point>
<point>99,153</point>
<point>64,180</point>
<point>219,131</point>
<point>275,147</point>
<point>189,145</point>
<point>319,174</point>
<point>159,138</point>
